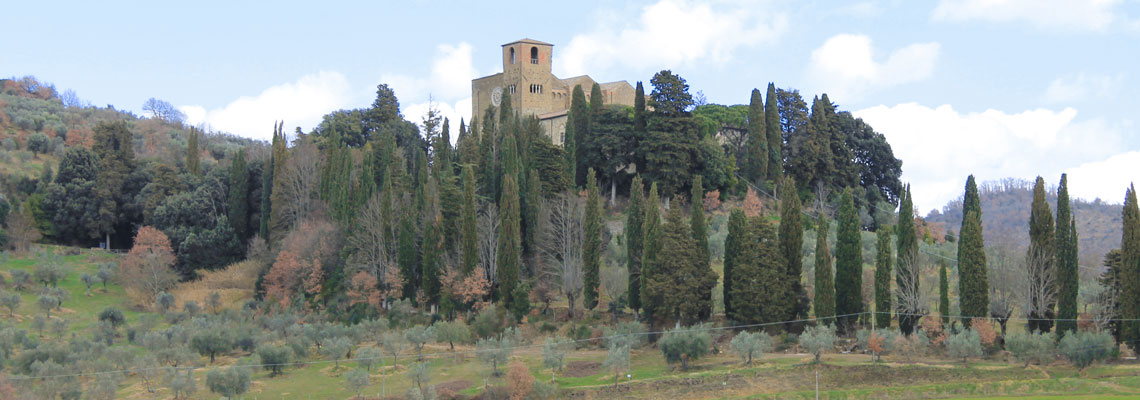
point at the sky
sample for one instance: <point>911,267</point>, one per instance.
<point>994,88</point>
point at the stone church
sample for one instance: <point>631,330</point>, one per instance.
<point>534,89</point>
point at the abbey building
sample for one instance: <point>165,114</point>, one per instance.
<point>534,89</point>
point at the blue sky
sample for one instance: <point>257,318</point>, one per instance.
<point>998,88</point>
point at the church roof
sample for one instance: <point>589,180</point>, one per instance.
<point>528,41</point>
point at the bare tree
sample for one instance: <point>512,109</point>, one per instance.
<point>162,109</point>
<point>371,238</point>
<point>1039,284</point>
<point>562,243</point>
<point>1005,277</point>
<point>615,281</point>
<point>912,295</point>
<point>302,175</point>
<point>488,227</point>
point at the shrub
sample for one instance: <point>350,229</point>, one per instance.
<point>39,143</point>
<point>113,315</point>
<point>684,344</point>
<point>817,339</point>
<point>519,380</point>
<point>1033,347</point>
<point>488,322</point>
<point>750,345</point>
<point>964,344</point>
<point>228,382</point>
<point>1084,348</point>
<point>987,335</point>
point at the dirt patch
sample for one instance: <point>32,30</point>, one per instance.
<point>580,369</point>
<point>452,386</point>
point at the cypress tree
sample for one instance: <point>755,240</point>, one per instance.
<point>509,242</point>
<point>824,285</point>
<point>883,278</point>
<point>943,294</point>
<point>596,101</point>
<point>973,289</point>
<point>651,245</point>
<point>193,155</point>
<point>678,289</point>
<point>1041,248</point>
<point>431,263</point>
<point>1068,280</point>
<point>368,180</point>
<point>734,243</point>
<point>533,207</point>
<point>640,126</point>
<point>591,243</point>
<point>634,239</point>
<point>1130,270</point>
<point>791,244</point>
<point>760,277</point>
<point>906,253</point>
<point>442,150</point>
<point>238,201</point>
<point>775,135</point>
<point>697,222</point>
<point>407,257</point>
<point>848,264</point>
<point>278,224</point>
<point>468,233</point>
<point>487,160</point>
<point>580,112</point>
<point>757,170</point>
<point>266,191</point>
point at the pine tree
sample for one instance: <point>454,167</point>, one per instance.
<point>943,294</point>
<point>734,243</point>
<point>634,241</point>
<point>580,115</point>
<point>973,289</point>
<point>848,264</point>
<point>432,246</point>
<point>193,155</point>
<point>906,263</point>
<point>238,201</point>
<point>757,162</point>
<point>1130,270</point>
<point>591,242</point>
<point>468,234</point>
<point>509,242</point>
<point>1068,280</point>
<point>775,135</point>
<point>697,222</point>
<point>651,245</point>
<point>883,278</point>
<point>791,245</point>
<point>1041,247</point>
<point>824,283</point>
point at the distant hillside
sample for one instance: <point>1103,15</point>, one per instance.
<point>1005,218</point>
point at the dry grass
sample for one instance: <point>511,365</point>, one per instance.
<point>234,283</point>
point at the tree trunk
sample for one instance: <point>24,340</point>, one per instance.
<point>613,191</point>
<point>570,299</point>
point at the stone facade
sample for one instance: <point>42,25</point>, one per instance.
<point>534,89</point>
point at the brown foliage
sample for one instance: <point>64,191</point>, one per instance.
<point>875,342</point>
<point>299,268</point>
<point>22,229</point>
<point>147,269</point>
<point>471,290</point>
<point>520,380</point>
<point>752,205</point>
<point>932,325</point>
<point>986,332</point>
<point>712,200</point>
<point>364,289</point>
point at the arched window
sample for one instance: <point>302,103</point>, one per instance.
<point>534,55</point>
<point>512,55</point>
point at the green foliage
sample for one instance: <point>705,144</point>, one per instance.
<point>883,278</point>
<point>1066,253</point>
<point>749,345</point>
<point>432,245</point>
<point>678,288</point>
<point>1084,348</point>
<point>824,284</point>
<point>519,305</point>
<point>577,135</point>
<point>698,223</point>
<point>906,251</point>
<point>634,240</point>
<point>488,322</point>
<point>210,341</point>
<point>554,352</point>
<point>357,380</point>
<point>818,339</point>
<point>973,288</point>
<point>670,95</point>
<point>39,143</point>
<point>1129,276</point>
<point>228,382</point>
<point>591,243</point>
<point>451,332</point>
<point>467,233</point>
<point>943,294</point>
<point>684,345</point>
<point>651,246</point>
<point>757,159</point>
<point>848,264</point>
<point>734,253</point>
<point>760,285</point>
<point>775,137</point>
<point>113,316</point>
<point>1041,250</point>
<point>964,344</point>
<point>509,241</point>
<point>193,156</point>
<point>668,151</point>
<point>238,201</point>
<point>1034,347</point>
<point>274,358</point>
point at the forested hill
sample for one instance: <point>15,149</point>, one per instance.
<point>1005,218</point>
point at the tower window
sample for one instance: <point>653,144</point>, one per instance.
<point>534,55</point>
<point>512,55</point>
<point>511,89</point>
<point>535,88</point>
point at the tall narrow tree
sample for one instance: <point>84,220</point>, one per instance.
<point>510,246</point>
<point>651,245</point>
<point>791,244</point>
<point>238,201</point>
<point>973,289</point>
<point>906,264</point>
<point>760,277</point>
<point>591,242</point>
<point>824,283</point>
<point>1130,270</point>
<point>1041,248</point>
<point>467,232</point>
<point>634,240</point>
<point>734,245</point>
<point>848,264</point>
<point>193,155</point>
<point>580,114</point>
<point>775,135</point>
<point>883,278</point>
<point>432,245</point>
<point>697,222</point>
<point>943,294</point>
<point>640,119</point>
<point>1065,253</point>
<point>757,163</point>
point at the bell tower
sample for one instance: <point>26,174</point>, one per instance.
<point>527,72</point>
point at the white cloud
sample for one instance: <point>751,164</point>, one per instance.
<point>447,86</point>
<point>845,67</point>
<point>1082,87</point>
<point>1106,179</point>
<point>1068,15</point>
<point>940,146</point>
<point>672,33</point>
<point>300,103</point>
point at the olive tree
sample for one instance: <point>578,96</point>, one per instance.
<point>228,382</point>
<point>684,344</point>
<point>336,349</point>
<point>750,345</point>
<point>393,344</point>
<point>1084,348</point>
<point>357,380</point>
<point>274,358</point>
<point>451,331</point>
<point>11,301</point>
<point>818,339</point>
<point>368,357</point>
<point>964,344</point>
<point>418,336</point>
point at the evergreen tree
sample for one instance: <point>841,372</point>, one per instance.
<point>488,143</point>
<point>591,243</point>
<point>533,207</point>
<point>848,264</point>
<point>432,247</point>
<point>678,289</point>
<point>1041,247</point>
<point>973,289</point>
<point>734,245</point>
<point>640,119</point>
<point>193,155</point>
<point>651,226</point>
<point>698,223</point>
<point>634,241</point>
<point>580,118</point>
<point>791,245</point>
<point>266,193</point>
<point>775,135</point>
<point>757,162</point>
<point>906,264</point>
<point>883,278</point>
<point>1068,280</point>
<point>468,234</point>
<point>824,285</point>
<point>759,276</point>
<point>1130,270</point>
<point>238,202</point>
<point>943,294</point>
<point>407,257</point>
<point>278,224</point>
<point>509,242</point>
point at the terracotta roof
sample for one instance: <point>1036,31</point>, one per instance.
<point>528,41</point>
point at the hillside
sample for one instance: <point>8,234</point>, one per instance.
<point>1005,218</point>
